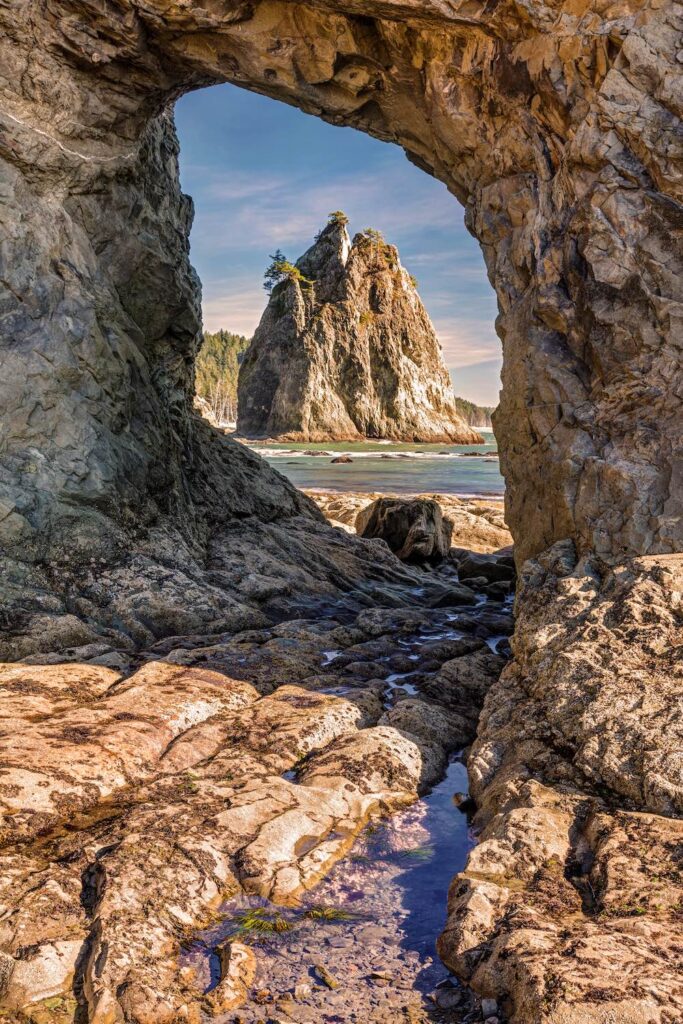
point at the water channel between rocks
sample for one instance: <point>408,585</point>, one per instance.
<point>361,946</point>
<point>372,924</point>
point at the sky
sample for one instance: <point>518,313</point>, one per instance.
<point>264,176</point>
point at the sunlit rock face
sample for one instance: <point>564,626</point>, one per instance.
<point>348,351</point>
<point>124,519</point>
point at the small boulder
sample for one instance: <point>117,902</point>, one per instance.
<point>415,529</point>
<point>342,458</point>
<point>494,568</point>
<point>237,972</point>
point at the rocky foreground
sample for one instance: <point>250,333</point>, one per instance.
<point>139,795</point>
<point>134,804</point>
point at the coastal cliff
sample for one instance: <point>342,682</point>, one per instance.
<point>345,349</point>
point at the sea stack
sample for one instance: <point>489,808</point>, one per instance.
<point>345,350</point>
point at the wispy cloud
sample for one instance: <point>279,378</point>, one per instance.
<point>234,186</point>
<point>257,211</point>
<point>479,382</point>
<point>467,342</point>
<point>237,309</point>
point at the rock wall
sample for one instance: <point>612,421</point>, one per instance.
<point>530,121</point>
<point>124,519</point>
<point>347,351</point>
<point>569,907</point>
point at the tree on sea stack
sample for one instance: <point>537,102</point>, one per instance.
<point>280,269</point>
<point>338,217</point>
<point>354,357</point>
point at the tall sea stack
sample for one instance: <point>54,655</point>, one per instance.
<point>345,350</point>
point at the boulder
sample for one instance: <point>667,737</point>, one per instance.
<point>493,568</point>
<point>414,529</point>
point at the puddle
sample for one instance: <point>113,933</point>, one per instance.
<point>336,691</point>
<point>329,656</point>
<point>372,924</point>
<point>397,681</point>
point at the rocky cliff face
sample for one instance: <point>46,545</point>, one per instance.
<point>124,519</point>
<point>474,415</point>
<point>351,354</point>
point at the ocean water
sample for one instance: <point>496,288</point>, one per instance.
<point>390,468</point>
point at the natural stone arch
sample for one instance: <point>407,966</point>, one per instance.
<point>556,124</point>
<point>557,130</point>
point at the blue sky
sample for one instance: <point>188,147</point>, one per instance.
<point>264,176</point>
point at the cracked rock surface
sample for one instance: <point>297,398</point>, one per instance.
<point>572,899</point>
<point>126,523</point>
<point>133,807</point>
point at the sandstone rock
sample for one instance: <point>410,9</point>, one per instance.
<point>225,792</point>
<point>576,735</point>
<point>462,682</point>
<point>559,133</point>
<point>428,721</point>
<point>414,529</point>
<point>70,761</point>
<point>347,351</point>
<point>95,214</point>
<point>46,973</point>
<point>30,695</point>
<point>493,569</point>
<point>238,970</point>
<point>476,528</point>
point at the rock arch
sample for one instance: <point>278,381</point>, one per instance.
<point>556,129</point>
<point>558,126</point>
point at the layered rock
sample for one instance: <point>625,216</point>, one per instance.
<point>123,519</point>
<point>346,350</point>
<point>571,901</point>
<point>244,766</point>
<point>414,528</point>
<point>511,113</point>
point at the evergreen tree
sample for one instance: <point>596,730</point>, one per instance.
<point>216,372</point>
<point>279,270</point>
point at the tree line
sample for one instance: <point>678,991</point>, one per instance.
<point>474,415</point>
<point>216,371</point>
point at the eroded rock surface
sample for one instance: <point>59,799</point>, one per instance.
<point>347,351</point>
<point>559,132</point>
<point>415,529</point>
<point>570,905</point>
<point>247,766</point>
<point>477,526</point>
<point>125,521</point>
